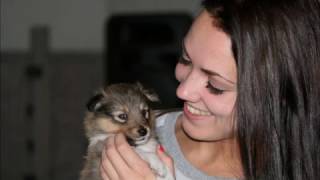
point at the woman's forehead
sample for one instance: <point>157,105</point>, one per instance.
<point>210,47</point>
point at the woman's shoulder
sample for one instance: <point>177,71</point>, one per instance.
<point>162,116</point>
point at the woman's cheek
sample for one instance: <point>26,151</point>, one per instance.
<point>221,106</point>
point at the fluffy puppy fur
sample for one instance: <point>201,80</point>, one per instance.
<point>122,108</point>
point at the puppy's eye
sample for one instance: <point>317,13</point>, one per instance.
<point>123,116</point>
<point>120,116</point>
<point>145,113</point>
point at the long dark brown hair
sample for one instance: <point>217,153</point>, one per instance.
<point>276,44</point>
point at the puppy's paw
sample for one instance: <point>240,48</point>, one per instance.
<point>160,170</point>
<point>164,174</point>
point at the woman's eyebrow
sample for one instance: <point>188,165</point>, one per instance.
<point>206,71</point>
<point>212,73</point>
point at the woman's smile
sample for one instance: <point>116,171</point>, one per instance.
<point>196,116</point>
<point>195,111</point>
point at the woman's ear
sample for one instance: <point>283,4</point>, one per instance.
<point>150,94</point>
<point>94,103</point>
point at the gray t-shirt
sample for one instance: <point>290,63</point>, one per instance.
<point>165,127</point>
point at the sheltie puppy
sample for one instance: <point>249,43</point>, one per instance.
<point>122,108</point>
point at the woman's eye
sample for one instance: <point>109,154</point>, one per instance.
<point>214,90</point>
<point>184,61</point>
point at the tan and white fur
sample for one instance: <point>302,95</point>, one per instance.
<point>122,108</point>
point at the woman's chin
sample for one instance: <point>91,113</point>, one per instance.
<point>203,133</point>
<point>195,133</point>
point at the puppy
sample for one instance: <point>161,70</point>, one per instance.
<point>122,108</point>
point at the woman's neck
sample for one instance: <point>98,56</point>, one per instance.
<point>215,158</point>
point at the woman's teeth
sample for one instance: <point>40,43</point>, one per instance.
<point>197,111</point>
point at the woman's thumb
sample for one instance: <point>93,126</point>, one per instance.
<point>165,158</point>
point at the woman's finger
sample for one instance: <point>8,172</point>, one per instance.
<point>106,167</point>
<point>116,161</point>
<point>166,159</point>
<point>133,160</point>
<point>103,173</point>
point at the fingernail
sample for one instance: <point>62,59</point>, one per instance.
<point>161,148</point>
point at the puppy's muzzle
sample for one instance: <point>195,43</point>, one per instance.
<point>144,135</point>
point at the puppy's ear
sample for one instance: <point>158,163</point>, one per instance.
<point>150,94</point>
<point>94,103</point>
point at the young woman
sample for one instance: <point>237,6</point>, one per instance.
<point>249,75</point>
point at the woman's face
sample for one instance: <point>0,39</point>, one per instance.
<point>207,74</point>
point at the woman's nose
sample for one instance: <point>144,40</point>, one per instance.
<point>189,88</point>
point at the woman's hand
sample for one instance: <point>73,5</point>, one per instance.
<point>121,162</point>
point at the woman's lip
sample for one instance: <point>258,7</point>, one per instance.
<point>190,115</point>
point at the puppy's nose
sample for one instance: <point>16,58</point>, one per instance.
<point>142,131</point>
